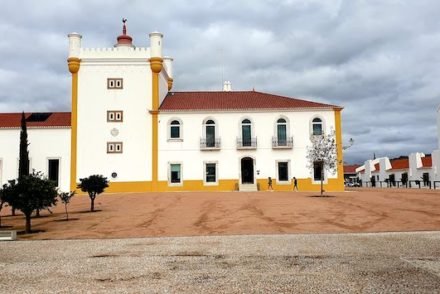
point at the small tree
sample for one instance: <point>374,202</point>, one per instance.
<point>30,193</point>
<point>93,185</point>
<point>65,199</point>
<point>323,152</point>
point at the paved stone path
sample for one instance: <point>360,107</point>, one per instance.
<point>332,263</point>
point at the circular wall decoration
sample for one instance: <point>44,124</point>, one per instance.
<point>114,175</point>
<point>114,132</point>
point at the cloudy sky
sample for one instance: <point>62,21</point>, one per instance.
<point>379,59</point>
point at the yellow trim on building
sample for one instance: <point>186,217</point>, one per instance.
<point>156,65</point>
<point>126,187</point>
<point>170,84</point>
<point>339,185</point>
<point>74,65</point>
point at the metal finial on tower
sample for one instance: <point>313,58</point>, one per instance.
<point>124,28</point>
<point>124,40</point>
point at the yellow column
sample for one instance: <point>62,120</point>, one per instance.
<point>156,64</point>
<point>74,64</point>
<point>338,131</point>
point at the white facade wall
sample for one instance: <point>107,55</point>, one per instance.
<point>94,100</point>
<point>44,144</point>
<point>228,127</point>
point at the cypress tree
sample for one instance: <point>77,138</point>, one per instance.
<point>23,165</point>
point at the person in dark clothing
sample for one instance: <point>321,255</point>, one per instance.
<point>295,184</point>
<point>269,184</point>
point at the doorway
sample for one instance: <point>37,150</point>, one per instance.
<point>247,170</point>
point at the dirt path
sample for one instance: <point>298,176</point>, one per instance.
<point>219,213</point>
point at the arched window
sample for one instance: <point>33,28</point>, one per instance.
<point>317,127</point>
<point>281,132</point>
<point>246,132</point>
<point>175,132</point>
<point>210,133</point>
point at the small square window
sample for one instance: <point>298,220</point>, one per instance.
<point>113,83</point>
<point>115,116</point>
<point>114,147</point>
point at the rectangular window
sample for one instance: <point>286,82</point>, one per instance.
<point>54,170</point>
<point>114,147</point>
<point>317,170</point>
<point>210,172</point>
<point>115,115</point>
<point>283,171</point>
<point>317,129</point>
<point>175,132</point>
<point>113,83</point>
<point>175,173</point>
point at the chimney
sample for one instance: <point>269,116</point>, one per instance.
<point>227,86</point>
<point>156,44</point>
<point>74,44</point>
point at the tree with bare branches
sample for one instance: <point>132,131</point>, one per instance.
<point>322,155</point>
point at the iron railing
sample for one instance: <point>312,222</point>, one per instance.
<point>282,143</point>
<point>248,143</point>
<point>210,144</point>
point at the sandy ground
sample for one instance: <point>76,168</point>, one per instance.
<point>235,213</point>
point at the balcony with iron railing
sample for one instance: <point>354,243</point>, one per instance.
<point>210,144</point>
<point>247,143</point>
<point>278,143</point>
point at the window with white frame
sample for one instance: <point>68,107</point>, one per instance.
<point>281,132</point>
<point>317,171</point>
<point>175,173</point>
<point>210,173</point>
<point>53,170</point>
<point>210,133</point>
<point>246,132</point>
<point>114,83</point>
<point>114,147</point>
<point>175,129</point>
<point>115,116</point>
<point>317,128</point>
<point>283,171</point>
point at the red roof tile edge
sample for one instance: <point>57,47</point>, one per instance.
<point>234,100</point>
<point>55,120</point>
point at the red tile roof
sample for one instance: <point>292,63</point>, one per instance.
<point>350,169</point>
<point>55,119</point>
<point>234,100</point>
<point>427,161</point>
<point>401,163</point>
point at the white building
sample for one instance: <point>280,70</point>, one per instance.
<point>128,125</point>
<point>49,145</point>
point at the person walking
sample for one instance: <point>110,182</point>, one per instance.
<point>269,184</point>
<point>295,184</point>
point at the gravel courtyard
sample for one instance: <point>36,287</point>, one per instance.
<point>330,263</point>
<point>234,213</point>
